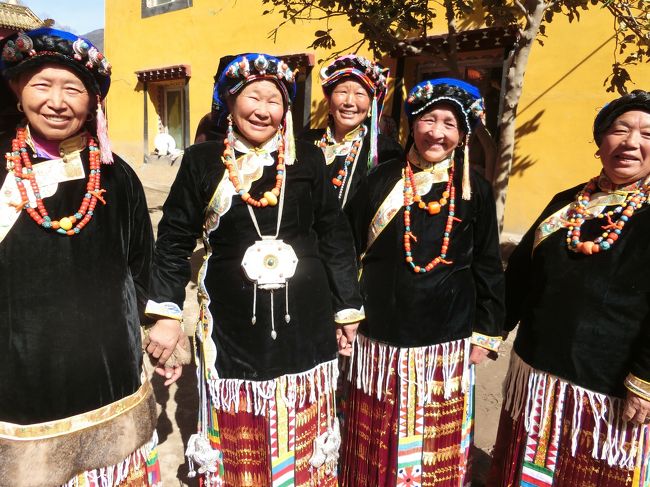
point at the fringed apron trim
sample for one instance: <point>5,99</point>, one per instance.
<point>373,380</point>
<point>530,392</point>
<point>114,475</point>
<point>226,394</point>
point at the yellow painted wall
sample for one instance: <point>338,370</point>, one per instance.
<point>563,87</point>
<point>563,90</point>
<point>197,36</point>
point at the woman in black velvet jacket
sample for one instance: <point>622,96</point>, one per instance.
<point>577,396</point>
<point>75,251</point>
<point>432,283</point>
<point>279,278</point>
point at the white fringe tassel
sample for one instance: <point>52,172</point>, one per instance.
<point>116,474</point>
<point>524,384</point>
<point>374,380</point>
<point>225,393</point>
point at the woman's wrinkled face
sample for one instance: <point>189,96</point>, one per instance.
<point>257,111</point>
<point>55,101</point>
<point>625,148</point>
<point>349,104</point>
<point>436,133</point>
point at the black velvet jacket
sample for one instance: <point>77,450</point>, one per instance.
<point>312,223</point>
<point>387,149</point>
<point>69,306</point>
<point>583,318</point>
<point>450,302</point>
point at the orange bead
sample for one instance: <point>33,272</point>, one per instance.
<point>409,259</point>
<point>612,236</point>
<point>587,247</point>
<point>628,213</point>
<point>416,268</point>
<point>445,194</point>
<point>443,201</point>
<point>433,208</point>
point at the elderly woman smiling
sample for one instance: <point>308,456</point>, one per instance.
<point>432,282</point>
<point>577,400</point>
<point>75,250</point>
<point>278,280</point>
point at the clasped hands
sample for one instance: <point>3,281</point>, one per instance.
<point>169,347</point>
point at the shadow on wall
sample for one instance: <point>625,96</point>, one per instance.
<point>522,162</point>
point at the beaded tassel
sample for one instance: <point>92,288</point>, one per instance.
<point>102,135</point>
<point>467,186</point>
<point>373,158</point>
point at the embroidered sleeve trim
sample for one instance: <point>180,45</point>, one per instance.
<point>638,386</point>
<point>349,315</point>
<point>165,310</point>
<point>485,341</point>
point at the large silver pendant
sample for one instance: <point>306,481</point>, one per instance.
<point>269,264</point>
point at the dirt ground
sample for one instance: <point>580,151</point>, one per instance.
<point>178,404</point>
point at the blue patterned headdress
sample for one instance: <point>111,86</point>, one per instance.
<point>373,76</point>
<point>248,68</point>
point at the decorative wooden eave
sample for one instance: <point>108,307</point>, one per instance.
<point>467,41</point>
<point>18,17</point>
<point>166,73</point>
<point>300,60</point>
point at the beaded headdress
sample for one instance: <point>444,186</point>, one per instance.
<point>28,50</point>
<point>466,100</point>
<point>373,77</point>
<point>248,68</point>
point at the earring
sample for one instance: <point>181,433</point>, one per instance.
<point>19,107</point>
<point>597,154</point>
<point>90,117</point>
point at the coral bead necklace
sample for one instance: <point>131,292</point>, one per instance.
<point>20,164</point>
<point>433,208</point>
<point>270,198</point>
<point>345,173</point>
<point>612,231</point>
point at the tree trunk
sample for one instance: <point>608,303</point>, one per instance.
<point>514,84</point>
<point>452,59</point>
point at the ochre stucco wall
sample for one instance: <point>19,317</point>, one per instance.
<point>562,91</point>
<point>197,36</point>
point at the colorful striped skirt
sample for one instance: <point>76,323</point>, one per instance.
<point>280,433</point>
<point>409,415</point>
<point>554,433</point>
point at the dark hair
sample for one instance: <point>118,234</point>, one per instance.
<point>636,100</point>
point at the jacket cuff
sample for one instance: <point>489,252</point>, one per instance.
<point>165,310</point>
<point>638,386</point>
<point>485,341</point>
<point>349,315</point>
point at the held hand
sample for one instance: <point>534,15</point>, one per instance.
<point>636,409</point>
<point>172,374</point>
<point>161,339</point>
<point>345,336</point>
<point>477,354</point>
